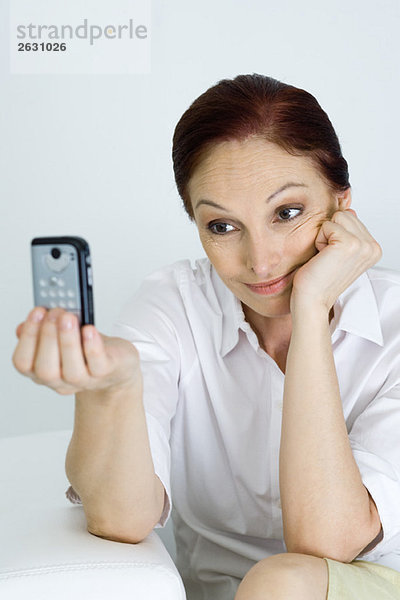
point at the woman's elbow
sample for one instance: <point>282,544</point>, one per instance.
<point>122,535</point>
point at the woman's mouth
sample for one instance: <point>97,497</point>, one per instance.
<point>267,289</point>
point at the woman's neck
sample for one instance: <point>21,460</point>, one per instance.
<point>273,333</point>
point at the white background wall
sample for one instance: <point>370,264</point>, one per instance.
<point>90,155</point>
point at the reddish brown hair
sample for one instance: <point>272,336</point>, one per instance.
<point>257,105</point>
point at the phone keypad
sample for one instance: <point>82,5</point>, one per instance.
<point>54,290</point>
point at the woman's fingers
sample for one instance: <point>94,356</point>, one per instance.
<point>46,365</point>
<point>97,360</point>
<point>18,330</point>
<point>24,354</point>
<point>53,350</point>
<point>72,362</point>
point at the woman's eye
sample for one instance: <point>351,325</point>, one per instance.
<point>220,228</point>
<point>285,212</point>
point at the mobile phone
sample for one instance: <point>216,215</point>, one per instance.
<point>62,275</point>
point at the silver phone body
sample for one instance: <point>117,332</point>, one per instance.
<point>62,275</point>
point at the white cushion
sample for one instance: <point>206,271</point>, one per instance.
<point>46,551</point>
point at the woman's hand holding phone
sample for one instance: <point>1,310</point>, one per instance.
<point>54,351</point>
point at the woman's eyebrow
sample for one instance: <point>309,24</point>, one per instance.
<point>281,189</point>
<point>284,187</point>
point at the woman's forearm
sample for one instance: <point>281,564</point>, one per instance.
<point>325,506</point>
<point>109,465</point>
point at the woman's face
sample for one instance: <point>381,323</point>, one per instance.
<point>253,225</point>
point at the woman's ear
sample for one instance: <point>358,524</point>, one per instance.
<point>344,199</point>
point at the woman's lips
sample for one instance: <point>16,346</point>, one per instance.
<point>272,288</point>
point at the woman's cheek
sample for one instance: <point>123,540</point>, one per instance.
<point>308,226</point>
<point>217,243</point>
<point>213,246</point>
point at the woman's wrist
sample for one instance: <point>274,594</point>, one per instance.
<point>304,309</point>
<point>113,394</point>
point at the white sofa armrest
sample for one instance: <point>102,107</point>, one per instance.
<point>46,550</point>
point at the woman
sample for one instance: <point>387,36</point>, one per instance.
<point>256,391</point>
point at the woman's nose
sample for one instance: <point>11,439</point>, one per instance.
<point>263,257</point>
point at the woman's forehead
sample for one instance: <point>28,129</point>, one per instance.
<point>250,163</point>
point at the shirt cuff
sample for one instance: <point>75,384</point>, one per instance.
<point>382,482</point>
<point>161,455</point>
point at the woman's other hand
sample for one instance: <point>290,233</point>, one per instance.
<point>346,249</point>
<point>54,351</point>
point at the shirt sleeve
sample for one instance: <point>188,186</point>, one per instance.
<point>144,322</point>
<point>376,450</point>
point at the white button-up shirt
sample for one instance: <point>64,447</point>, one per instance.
<point>213,401</point>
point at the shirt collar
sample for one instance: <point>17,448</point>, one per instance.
<point>355,311</point>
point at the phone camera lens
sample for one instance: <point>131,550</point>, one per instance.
<point>55,252</point>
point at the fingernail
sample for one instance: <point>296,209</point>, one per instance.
<point>37,316</point>
<point>88,334</point>
<point>67,323</point>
